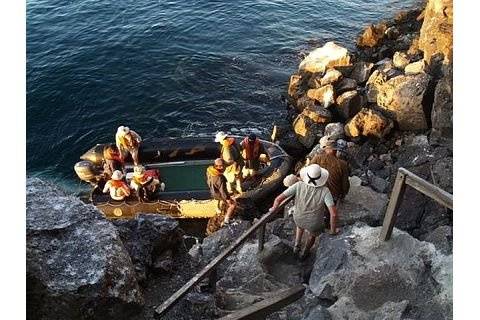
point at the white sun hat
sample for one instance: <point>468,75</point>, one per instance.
<point>220,136</point>
<point>122,130</point>
<point>117,175</point>
<point>314,175</point>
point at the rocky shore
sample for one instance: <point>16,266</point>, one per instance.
<point>390,101</point>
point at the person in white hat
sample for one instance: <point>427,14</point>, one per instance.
<point>230,153</point>
<point>117,187</point>
<point>128,141</point>
<point>310,196</point>
<point>145,183</point>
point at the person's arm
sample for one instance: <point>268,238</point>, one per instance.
<point>126,190</point>
<point>333,213</point>
<point>333,220</point>
<point>106,187</point>
<point>282,196</point>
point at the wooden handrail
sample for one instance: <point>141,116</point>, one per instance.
<point>170,302</point>
<point>405,177</point>
<point>265,307</point>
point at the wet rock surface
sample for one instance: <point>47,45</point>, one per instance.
<point>77,266</point>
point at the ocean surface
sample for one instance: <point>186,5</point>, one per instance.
<point>168,68</point>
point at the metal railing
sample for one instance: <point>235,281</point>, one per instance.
<point>210,267</point>
<point>405,177</point>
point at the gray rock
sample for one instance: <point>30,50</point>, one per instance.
<point>346,84</point>
<point>318,313</point>
<point>334,131</point>
<point>378,280</point>
<point>146,237</point>
<point>361,71</point>
<point>442,172</point>
<point>442,110</point>
<point>348,104</point>
<point>306,130</point>
<point>362,204</point>
<point>77,266</point>
<point>378,184</point>
<point>442,239</point>
<point>392,33</point>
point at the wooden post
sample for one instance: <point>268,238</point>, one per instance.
<point>261,237</point>
<point>393,205</point>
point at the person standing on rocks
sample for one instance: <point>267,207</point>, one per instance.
<point>312,197</point>
<point>338,169</point>
<point>128,141</point>
<point>217,183</point>
<point>230,153</point>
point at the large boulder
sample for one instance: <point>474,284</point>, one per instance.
<point>306,130</point>
<point>330,55</point>
<point>368,123</point>
<point>372,35</point>
<point>324,95</point>
<point>362,204</point>
<point>403,97</point>
<point>147,237</point>
<point>318,113</point>
<point>436,34</point>
<point>77,266</point>
<point>442,110</point>
<point>334,131</point>
<point>365,278</point>
<point>348,104</point>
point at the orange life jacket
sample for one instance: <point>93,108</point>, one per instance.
<point>213,172</point>
<point>117,184</point>
<point>111,154</point>
<point>251,151</point>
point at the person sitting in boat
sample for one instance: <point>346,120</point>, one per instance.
<point>230,153</point>
<point>252,149</point>
<point>112,160</point>
<point>128,141</point>
<point>145,183</point>
<point>217,183</point>
<point>117,187</point>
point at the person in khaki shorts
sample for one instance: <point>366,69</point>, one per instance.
<point>230,153</point>
<point>312,197</point>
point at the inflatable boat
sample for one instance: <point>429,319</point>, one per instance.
<point>182,164</point>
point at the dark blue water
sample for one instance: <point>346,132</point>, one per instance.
<point>168,68</point>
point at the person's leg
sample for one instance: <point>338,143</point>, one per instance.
<point>298,240</point>
<point>231,205</point>
<point>134,153</point>
<point>308,245</point>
